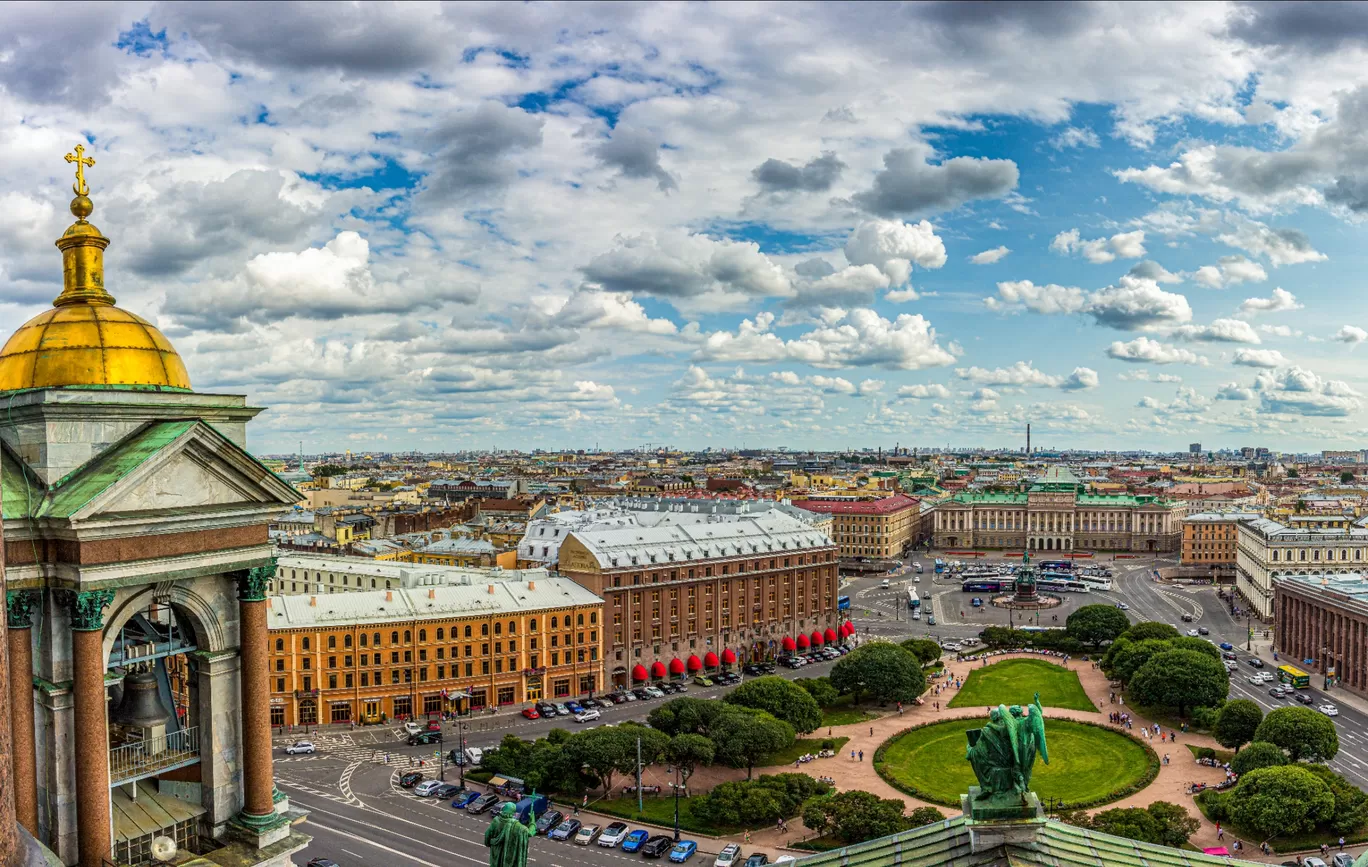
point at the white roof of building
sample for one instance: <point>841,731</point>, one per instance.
<point>1223,516</point>
<point>490,598</point>
<point>407,574</point>
<point>767,533</point>
<point>458,545</point>
<point>1273,529</point>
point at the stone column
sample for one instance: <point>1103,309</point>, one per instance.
<point>256,695</point>
<point>93,804</point>
<point>19,616</point>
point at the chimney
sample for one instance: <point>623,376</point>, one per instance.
<point>531,585</point>
<point>313,601</point>
<point>432,592</point>
<point>389,595</point>
<point>491,589</point>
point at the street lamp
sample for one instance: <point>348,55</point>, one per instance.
<point>441,756</point>
<point>461,756</point>
<point>675,785</point>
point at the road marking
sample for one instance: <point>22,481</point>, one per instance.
<point>383,847</point>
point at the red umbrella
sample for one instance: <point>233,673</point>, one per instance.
<point>788,643</point>
<point>728,657</point>
<point>803,642</point>
<point>695,663</point>
<point>829,635</point>
<point>657,669</point>
<point>710,660</point>
<point>816,638</point>
<point>676,666</point>
<point>639,673</point>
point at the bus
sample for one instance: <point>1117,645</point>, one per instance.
<point>1056,566</point>
<point>940,565</point>
<point>986,585</point>
<point>1096,582</point>
<point>1294,677</point>
<point>1039,629</point>
<point>1062,585</point>
<point>842,603</point>
<point>913,601</point>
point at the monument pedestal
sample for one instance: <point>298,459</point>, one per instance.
<point>1001,821</point>
<point>996,808</point>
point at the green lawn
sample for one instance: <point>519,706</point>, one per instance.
<point>800,746</point>
<point>1015,681</point>
<point>660,811</point>
<point>842,712</point>
<point>1088,763</point>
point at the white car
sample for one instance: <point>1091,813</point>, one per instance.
<point>412,728</point>
<point>1192,633</point>
<point>427,788</point>
<point>300,747</point>
<point>728,857</point>
<point>613,835</point>
<point>1260,678</point>
<point>587,716</point>
<point>1328,709</point>
<point>655,692</point>
<point>1123,606</point>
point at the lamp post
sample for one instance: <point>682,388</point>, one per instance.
<point>461,730</point>
<point>675,785</point>
<point>441,756</point>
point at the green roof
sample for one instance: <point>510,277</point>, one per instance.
<point>1008,499</point>
<point>1054,844</point>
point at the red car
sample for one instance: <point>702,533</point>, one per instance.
<point>531,713</point>
<point>434,725</point>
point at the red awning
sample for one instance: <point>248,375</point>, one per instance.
<point>695,663</point>
<point>676,666</point>
<point>728,657</point>
<point>830,634</point>
<point>788,643</point>
<point>816,638</point>
<point>803,642</point>
<point>639,673</point>
<point>841,630</point>
<point>847,628</point>
<point>710,660</point>
<point>657,669</point>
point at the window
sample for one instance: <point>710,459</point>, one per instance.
<point>422,636</point>
<point>554,623</point>
<point>280,684</point>
<point>332,681</point>
<point>332,642</point>
<point>441,634</point>
<point>306,642</point>
<point>532,624</point>
<point>280,645</point>
<point>394,638</point>
<point>467,631</point>
<point>580,621</point>
<point>347,680</point>
<point>365,678</point>
<point>484,629</point>
<point>346,642</point>
<point>308,663</point>
<point>346,662</point>
<point>376,640</point>
<point>505,695</point>
<point>280,665</point>
<point>363,639</point>
<point>408,636</point>
<point>593,615</point>
<point>484,666</point>
<point>394,675</point>
<point>441,672</point>
<point>512,627</point>
<point>408,656</point>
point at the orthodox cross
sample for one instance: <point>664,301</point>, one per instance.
<point>81,161</point>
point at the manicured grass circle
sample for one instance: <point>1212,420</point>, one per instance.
<point>1014,681</point>
<point>1088,764</point>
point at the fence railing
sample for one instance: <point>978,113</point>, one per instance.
<point>143,758</point>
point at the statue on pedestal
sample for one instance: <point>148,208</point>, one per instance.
<point>1003,754</point>
<point>507,838</point>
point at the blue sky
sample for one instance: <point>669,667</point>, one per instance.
<point>546,225</point>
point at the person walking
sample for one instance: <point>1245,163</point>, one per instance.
<point>871,731</point>
<point>862,755</point>
<point>1341,844</point>
<point>852,755</point>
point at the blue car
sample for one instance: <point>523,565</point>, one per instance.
<point>1226,645</point>
<point>633,841</point>
<point>575,707</point>
<point>463,800</point>
<point>683,851</point>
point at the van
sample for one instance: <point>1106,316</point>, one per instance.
<point>884,584</point>
<point>919,568</point>
<point>474,755</point>
<point>532,805</point>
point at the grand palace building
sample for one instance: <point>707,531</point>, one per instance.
<point>1056,513</point>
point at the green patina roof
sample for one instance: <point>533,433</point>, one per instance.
<point>1056,844</point>
<point>1008,499</point>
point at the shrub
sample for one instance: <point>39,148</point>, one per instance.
<point>1284,800</point>
<point>1206,753</point>
<point>757,802</point>
<point>1260,754</point>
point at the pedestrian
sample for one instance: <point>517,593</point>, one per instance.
<point>1341,844</point>
<point>576,808</point>
<point>828,732</point>
<point>747,838</point>
<point>1238,845</point>
<point>871,731</point>
<point>1325,849</point>
<point>1220,834</point>
<point>585,802</point>
<point>387,758</point>
<point>862,755</point>
<point>852,755</point>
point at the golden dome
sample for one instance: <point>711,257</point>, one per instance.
<point>85,341</point>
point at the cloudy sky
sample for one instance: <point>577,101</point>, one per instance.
<point>520,225</point>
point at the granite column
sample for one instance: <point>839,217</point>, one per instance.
<point>19,617</point>
<point>256,696</point>
<point>93,804</point>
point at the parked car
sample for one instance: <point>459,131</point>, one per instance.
<point>1313,861</point>
<point>300,748</point>
<point>683,851</point>
<point>561,709</point>
<point>976,602</point>
<point>565,830</point>
<point>635,840</point>
<point>669,688</point>
<point>1342,859</point>
<point>758,859</point>
<point>456,757</point>
<point>434,725</point>
<point>1328,709</point>
<point>574,706</point>
<point>641,694</point>
<point>322,862</point>
<point>546,709</point>
<point>613,835</point>
<point>461,801</point>
<point>474,755</point>
<point>586,834</point>
<point>409,780</point>
<point>530,713</point>
<point>550,819</point>
<point>728,857</point>
<point>587,716</point>
<point>1304,698</point>
<point>412,727</point>
<point>729,677</point>
<point>752,670</point>
<point>654,692</point>
<point>482,803</point>
<point>1255,661</point>
<point>427,788</point>
<point>656,846</point>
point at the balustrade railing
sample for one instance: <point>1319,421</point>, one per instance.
<point>146,757</point>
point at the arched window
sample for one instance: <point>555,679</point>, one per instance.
<point>306,642</point>
<point>580,620</point>
<point>387,585</point>
<point>554,623</point>
<point>363,639</point>
<point>346,642</point>
<point>422,636</point>
<point>593,617</point>
<point>512,627</point>
<point>332,642</point>
<point>280,645</point>
<point>394,638</point>
<point>467,631</point>
<point>441,634</point>
<point>498,629</point>
<point>408,636</point>
<point>532,624</point>
<point>376,640</point>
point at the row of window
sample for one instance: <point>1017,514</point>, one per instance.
<point>1316,554</point>
<point>347,680</point>
<point>441,633</point>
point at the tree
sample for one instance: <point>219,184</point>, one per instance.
<point>1351,804</point>
<point>687,752</point>
<point>855,816</point>
<point>609,750</point>
<point>1132,656</point>
<point>924,816</point>
<point>1236,723</point>
<point>1283,800</point>
<point>1201,645</point>
<point>1303,733</point>
<point>683,715</point>
<point>881,669</point>
<point>1151,629</point>
<point>1259,754</point>
<point>1346,478</point>
<point>1161,822</point>
<point>926,650</point>
<point>1180,679</point>
<point>743,736</point>
<point>782,699</point>
<point>1096,624</point>
<point>1176,825</point>
<point>820,689</point>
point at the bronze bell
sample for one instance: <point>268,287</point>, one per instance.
<point>141,706</point>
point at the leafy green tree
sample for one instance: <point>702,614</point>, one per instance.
<point>855,816</point>
<point>1351,804</point>
<point>781,698</point>
<point>739,803</point>
<point>1259,754</point>
<point>1236,723</point>
<point>606,751</point>
<point>1176,824</point>
<point>683,715</point>
<point>1133,655</point>
<point>926,650</point>
<point>1151,629</point>
<point>1115,649</point>
<point>1180,679</point>
<point>1303,733</point>
<point>687,752</point>
<point>820,689</point>
<point>924,816</point>
<point>1201,645</point>
<point>1284,800</point>
<point>743,736</point>
<point>880,669</point>
<point>1096,624</point>
<point>1164,823</point>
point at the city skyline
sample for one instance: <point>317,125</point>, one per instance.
<point>551,226</point>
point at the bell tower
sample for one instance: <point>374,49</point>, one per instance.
<point>136,560</point>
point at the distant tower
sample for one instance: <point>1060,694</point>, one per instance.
<point>1028,439</point>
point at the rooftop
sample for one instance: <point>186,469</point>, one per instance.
<point>768,533</point>
<point>884,506</point>
<point>1346,587</point>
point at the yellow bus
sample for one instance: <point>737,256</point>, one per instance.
<point>1294,677</point>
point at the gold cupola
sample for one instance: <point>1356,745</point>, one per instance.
<point>84,341</point>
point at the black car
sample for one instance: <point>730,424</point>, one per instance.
<point>424,738</point>
<point>641,694</point>
<point>456,757</point>
<point>1304,698</point>
<point>447,792</point>
<point>322,862</point>
<point>409,780</point>
<point>545,709</point>
<point>549,820</point>
<point>759,859</point>
<point>1255,661</point>
<point>669,688</point>
<point>617,698</point>
<point>752,670</point>
<point>656,846</point>
<point>482,803</point>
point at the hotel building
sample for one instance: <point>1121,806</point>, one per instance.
<point>871,528</point>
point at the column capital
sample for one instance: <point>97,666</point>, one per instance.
<point>253,583</point>
<point>86,607</point>
<point>19,608</point>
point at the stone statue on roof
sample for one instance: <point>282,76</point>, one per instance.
<point>507,838</point>
<point>1003,755</point>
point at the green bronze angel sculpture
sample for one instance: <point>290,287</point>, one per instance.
<point>1003,752</point>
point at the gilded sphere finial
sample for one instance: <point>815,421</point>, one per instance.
<point>82,207</point>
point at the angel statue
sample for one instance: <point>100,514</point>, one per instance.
<point>507,838</point>
<point>1003,752</point>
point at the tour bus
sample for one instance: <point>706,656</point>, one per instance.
<point>1064,585</point>
<point>1096,582</point>
<point>940,565</point>
<point>842,603</point>
<point>1056,566</point>
<point>1294,677</point>
<point>986,585</point>
<point>913,601</point>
